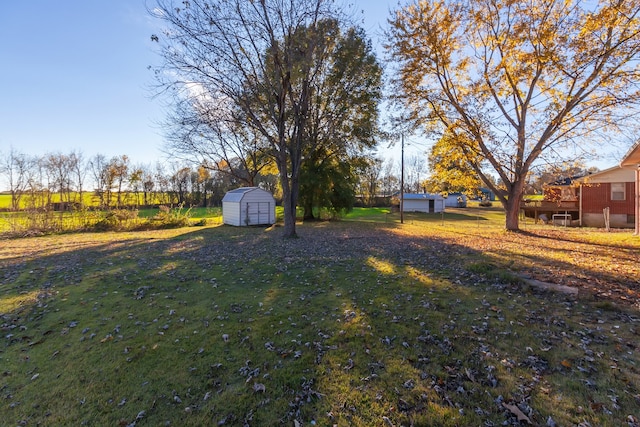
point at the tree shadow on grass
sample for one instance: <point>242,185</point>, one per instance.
<point>345,325</point>
<point>607,272</point>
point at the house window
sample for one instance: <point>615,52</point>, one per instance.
<point>617,191</point>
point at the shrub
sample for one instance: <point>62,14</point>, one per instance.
<point>117,219</point>
<point>170,218</point>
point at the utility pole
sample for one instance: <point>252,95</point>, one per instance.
<point>402,180</point>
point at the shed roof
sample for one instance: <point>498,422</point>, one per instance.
<point>237,194</point>
<point>421,196</point>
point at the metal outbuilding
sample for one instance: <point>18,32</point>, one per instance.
<point>421,202</point>
<point>455,200</point>
<point>248,206</point>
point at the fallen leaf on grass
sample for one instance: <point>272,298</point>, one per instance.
<point>566,363</point>
<point>470,375</point>
<point>517,412</point>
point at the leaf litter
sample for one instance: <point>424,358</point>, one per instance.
<point>443,331</point>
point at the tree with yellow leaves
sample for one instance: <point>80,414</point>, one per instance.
<point>513,82</point>
<point>450,170</point>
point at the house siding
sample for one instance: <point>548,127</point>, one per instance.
<point>597,196</point>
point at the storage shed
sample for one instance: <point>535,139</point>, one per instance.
<point>455,200</point>
<point>423,202</point>
<point>248,206</point>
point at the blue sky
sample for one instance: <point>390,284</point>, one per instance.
<point>75,77</point>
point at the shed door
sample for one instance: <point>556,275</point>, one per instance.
<point>432,206</point>
<point>257,213</point>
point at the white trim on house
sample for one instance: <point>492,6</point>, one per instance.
<point>632,160</point>
<point>615,174</point>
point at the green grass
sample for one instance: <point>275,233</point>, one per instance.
<point>451,215</point>
<point>5,200</point>
<point>352,322</point>
<point>368,214</point>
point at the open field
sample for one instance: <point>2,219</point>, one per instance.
<point>362,322</point>
<point>26,223</point>
<point>89,199</point>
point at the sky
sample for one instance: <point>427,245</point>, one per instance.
<point>75,77</point>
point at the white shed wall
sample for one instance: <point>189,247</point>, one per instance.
<point>254,207</point>
<point>231,213</point>
<point>452,201</point>
<point>422,205</point>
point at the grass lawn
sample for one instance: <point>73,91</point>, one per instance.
<point>361,322</point>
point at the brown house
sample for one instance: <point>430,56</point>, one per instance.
<point>608,198</point>
<point>632,160</point>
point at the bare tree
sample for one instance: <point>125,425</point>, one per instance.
<point>162,183</point>
<point>38,196</point>
<point>78,170</point>
<point>99,169</point>
<point>148,185</point>
<point>200,132</point>
<point>15,166</point>
<point>118,174</point>
<point>515,82</point>
<point>390,181</point>
<point>60,169</point>
<point>257,61</point>
<point>135,183</point>
<point>181,183</point>
<point>415,169</point>
<point>369,177</point>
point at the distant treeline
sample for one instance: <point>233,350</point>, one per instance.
<point>69,182</point>
<point>66,182</point>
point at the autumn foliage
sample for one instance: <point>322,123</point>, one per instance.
<point>515,83</point>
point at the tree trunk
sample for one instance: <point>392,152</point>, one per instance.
<point>308,212</point>
<point>512,211</point>
<point>512,206</point>
<point>289,201</point>
<point>289,217</point>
